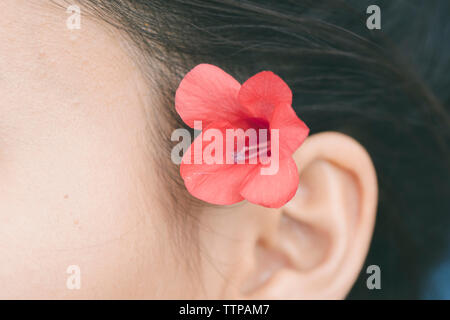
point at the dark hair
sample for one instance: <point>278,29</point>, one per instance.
<point>388,88</point>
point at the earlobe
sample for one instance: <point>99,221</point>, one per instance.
<point>319,240</point>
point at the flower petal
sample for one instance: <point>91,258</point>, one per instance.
<point>208,93</point>
<point>213,183</point>
<point>263,92</point>
<point>272,191</point>
<point>292,130</point>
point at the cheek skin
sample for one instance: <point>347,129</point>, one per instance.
<point>71,138</point>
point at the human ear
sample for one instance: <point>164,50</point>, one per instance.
<point>311,248</point>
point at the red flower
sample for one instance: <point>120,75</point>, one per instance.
<point>210,95</point>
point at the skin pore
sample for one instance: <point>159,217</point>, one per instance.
<point>79,187</point>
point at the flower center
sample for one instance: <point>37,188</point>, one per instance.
<point>256,142</point>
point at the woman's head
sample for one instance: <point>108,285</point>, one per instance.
<point>87,178</point>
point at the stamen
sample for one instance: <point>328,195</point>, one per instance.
<point>251,152</point>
